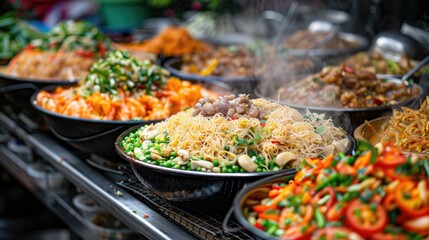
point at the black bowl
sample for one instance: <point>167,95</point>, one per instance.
<point>347,118</point>
<point>333,56</point>
<point>197,190</point>
<point>18,90</point>
<point>252,191</point>
<point>94,136</point>
<point>237,84</point>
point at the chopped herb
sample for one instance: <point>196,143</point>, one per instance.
<point>320,129</point>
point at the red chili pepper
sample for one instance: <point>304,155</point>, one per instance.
<point>261,208</point>
<point>259,226</point>
<point>84,53</point>
<point>269,216</point>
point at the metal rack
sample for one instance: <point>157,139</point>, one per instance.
<point>127,200</point>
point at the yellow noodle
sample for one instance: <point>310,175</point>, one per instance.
<point>285,129</point>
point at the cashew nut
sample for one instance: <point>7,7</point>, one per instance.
<point>202,163</point>
<point>379,147</point>
<point>285,157</point>
<point>155,156</point>
<point>247,163</point>
<point>180,161</point>
<point>183,154</point>
<point>145,144</point>
<point>150,134</point>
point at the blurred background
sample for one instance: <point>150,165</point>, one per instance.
<point>129,17</point>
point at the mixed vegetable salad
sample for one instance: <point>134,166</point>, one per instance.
<point>375,193</point>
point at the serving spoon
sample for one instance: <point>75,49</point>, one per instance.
<point>410,73</point>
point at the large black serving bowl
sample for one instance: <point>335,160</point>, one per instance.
<point>347,118</point>
<point>18,90</point>
<point>96,136</point>
<point>249,196</point>
<point>197,190</point>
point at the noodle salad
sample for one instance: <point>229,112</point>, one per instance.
<point>235,135</point>
<point>409,129</point>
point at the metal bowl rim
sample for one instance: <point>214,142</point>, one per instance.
<point>9,77</point>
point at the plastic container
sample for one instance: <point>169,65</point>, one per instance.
<point>22,151</point>
<point>46,177</point>
<point>86,206</point>
<point>108,227</point>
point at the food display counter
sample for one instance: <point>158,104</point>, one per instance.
<point>311,133</point>
<point>120,193</point>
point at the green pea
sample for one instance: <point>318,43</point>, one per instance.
<point>259,169</point>
<point>229,170</point>
<point>198,169</point>
<point>215,163</point>
<point>155,162</point>
<point>235,168</point>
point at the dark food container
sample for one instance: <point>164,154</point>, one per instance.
<point>333,56</point>
<point>197,190</point>
<point>95,136</point>
<point>238,84</point>
<point>17,90</point>
<point>249,196</point>
<point>347,118</point>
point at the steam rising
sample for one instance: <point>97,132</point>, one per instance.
<point>281,68</point>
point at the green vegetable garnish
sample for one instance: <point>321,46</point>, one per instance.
<point>119,71</point>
